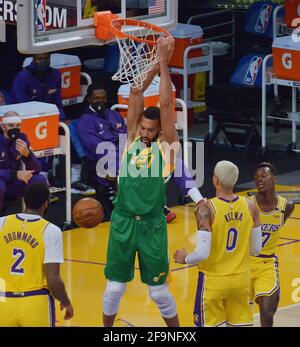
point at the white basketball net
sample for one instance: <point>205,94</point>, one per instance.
<point>136,58</point>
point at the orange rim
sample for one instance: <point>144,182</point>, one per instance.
<point>119,22</point>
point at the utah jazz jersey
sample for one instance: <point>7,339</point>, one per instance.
<point>22,254</point>
<point>271,222</point>
<point>231,232</point>
<point>141,189</point>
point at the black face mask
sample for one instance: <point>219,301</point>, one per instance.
<point>42,67</point>
<point>99,107</point>
<point>14,133</point>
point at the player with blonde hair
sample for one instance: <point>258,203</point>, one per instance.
<point>228,231</point>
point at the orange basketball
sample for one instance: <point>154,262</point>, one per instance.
<point>87,213</point>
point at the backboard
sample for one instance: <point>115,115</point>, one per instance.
<point>52,25</point>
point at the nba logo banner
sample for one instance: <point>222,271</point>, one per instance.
<point>263,19</point>
<point>253,70</point>
<point>41,21</point>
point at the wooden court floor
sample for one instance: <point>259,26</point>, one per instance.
<point>83,273</point>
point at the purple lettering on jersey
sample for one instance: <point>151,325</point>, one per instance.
<point>266,237</point>
<point>231,243</point>
<point>17,252</point>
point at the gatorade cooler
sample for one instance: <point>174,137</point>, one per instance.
<point>69,66</point>
<point>286,56</point>
<point>185,35</point>
<point>292,11</point>
<point>39,123</point>
<point>151,96</point>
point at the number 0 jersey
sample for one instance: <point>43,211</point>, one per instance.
<point>231,232</point>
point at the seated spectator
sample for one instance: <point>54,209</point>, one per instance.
<point>14,148</point>
<point>38,82</point>
<point>99,124</point>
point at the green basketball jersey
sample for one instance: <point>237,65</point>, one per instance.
<point>141,189</point>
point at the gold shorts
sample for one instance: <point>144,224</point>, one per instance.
<point>19,310</point>
<point>215,305</point>
<point>264,276</point>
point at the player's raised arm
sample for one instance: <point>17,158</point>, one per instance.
<point>136,104</point>
<point>165,49</point>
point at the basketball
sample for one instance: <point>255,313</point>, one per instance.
<point>87,213</point>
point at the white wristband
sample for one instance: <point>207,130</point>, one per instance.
<point>256,241</point>
<point>202,249</point>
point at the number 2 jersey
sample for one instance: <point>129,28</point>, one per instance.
<point>231,232</point>
<point>27,242</point>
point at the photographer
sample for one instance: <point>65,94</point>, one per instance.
<point>15,149</point>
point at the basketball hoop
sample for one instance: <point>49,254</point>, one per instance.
<point>137,42</point>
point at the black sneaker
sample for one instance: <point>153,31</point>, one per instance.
<point>82,189</point>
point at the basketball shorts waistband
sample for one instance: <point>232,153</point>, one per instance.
<point>25,294</point>
<point>266,255</point>
<point>139,217</point>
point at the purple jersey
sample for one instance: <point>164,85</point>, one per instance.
<point>94,129</point>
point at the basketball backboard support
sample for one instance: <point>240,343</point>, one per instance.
<point>53,25</point>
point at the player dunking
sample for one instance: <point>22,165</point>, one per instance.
<point>274,210</point>
<point>31,252</point>
<point>228,230</point>
<point>138,225</point>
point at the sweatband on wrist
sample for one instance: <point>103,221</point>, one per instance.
<point>202,249</point>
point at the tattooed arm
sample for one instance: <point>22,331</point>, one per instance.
<point>203,216</point>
